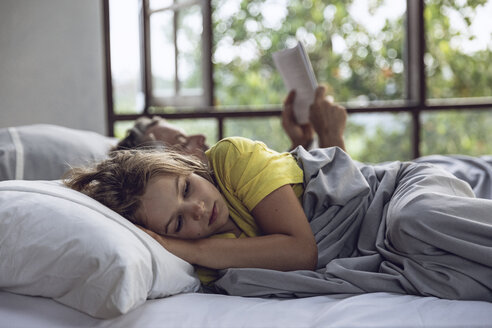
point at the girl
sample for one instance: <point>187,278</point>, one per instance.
<point>304,223</point>
<point>175,199</point>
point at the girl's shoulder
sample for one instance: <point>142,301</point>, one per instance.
<point>241,155</point>
<point>236,147</point>
<point>240,143</point>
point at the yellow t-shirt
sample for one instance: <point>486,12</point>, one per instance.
<point>247,171</point>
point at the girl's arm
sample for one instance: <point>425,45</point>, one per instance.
<point>287,242</point>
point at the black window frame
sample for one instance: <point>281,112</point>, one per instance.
<point>414,103</point>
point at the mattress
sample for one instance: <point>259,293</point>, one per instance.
<point>211,310</point>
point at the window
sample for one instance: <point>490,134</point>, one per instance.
<point>401,67</point>
<point>175,47</point>
<point>125,69</point>
<point>458,88</point>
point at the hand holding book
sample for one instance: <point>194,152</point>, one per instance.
<point>297,73</point>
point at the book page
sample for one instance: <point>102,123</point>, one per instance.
<point>297,73</point>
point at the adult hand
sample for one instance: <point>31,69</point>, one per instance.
<point>299,134</point>
<point>328,120</point>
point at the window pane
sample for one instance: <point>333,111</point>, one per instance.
<point>190,28</point>
<point>266,129</point>
<point>125,56</point>
<point>159,4</point>
<point>457,132</point>
<point>162,53</point>
<point>356,47</point>
<point>459,48</point>
<point>375,138</point>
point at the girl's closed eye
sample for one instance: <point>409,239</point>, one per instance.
<point>179,224</point>
<point>185,192</point>
<point>186,188</point>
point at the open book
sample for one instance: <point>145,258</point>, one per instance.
<point>295,68</point>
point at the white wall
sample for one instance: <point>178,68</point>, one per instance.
<point>52,63</point>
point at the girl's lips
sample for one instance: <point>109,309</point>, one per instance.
<point>213,215</point>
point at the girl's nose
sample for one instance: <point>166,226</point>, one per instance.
<point>197,209</point>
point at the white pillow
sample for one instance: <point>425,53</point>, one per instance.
<point>58,243</point>
<point>46,152</point>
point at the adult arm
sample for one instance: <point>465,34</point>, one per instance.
<point>328,120</point>
<point>287,242</point>
<point>299,134</point>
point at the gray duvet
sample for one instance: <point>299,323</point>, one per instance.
<point>409,228</point>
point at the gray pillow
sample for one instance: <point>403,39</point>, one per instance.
<point>46,152</point>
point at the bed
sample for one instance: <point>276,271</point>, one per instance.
<point>66,260</point>
<point>208,310</point>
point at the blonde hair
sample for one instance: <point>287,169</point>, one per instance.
<point>119,181</point>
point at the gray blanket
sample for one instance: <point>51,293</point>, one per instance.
<point>477,171</point>
<point>397,227</point>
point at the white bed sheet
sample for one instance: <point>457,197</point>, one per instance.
<point>207,310</point>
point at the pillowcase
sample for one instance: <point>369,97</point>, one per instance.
<point>46,152</point>
<point>59,243</point>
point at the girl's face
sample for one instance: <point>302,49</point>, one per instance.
<point>185,207</point>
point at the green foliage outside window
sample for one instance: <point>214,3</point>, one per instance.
<point>358,65</point>
<point>360,57</point>
<point>361,65</point>
<point>456,69</point>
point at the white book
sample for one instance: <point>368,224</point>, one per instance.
<point>297,73</point>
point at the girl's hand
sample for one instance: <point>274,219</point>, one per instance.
<point>328,120</point>
<point>300,135</point>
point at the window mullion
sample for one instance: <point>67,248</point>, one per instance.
<point>110,114</point>
<point>207,37</point>
<point>145,60</point>
<point>415,50</point>
<point>415,72</point>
